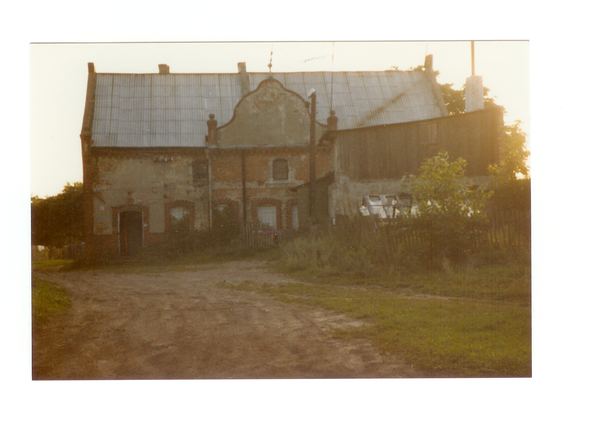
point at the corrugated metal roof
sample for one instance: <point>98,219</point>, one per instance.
<point>156,110</point>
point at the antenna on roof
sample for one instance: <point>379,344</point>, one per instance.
<point>271,62</point>
<point>331,95</point>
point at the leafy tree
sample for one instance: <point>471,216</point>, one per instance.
<point>455,99</point>
<point>58,220</point>
<point>449,210</point>
<point>514,165</point>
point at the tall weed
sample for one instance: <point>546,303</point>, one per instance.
<point>364,247</point>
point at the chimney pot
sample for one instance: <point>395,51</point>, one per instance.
<point>163,69</point>
<point>245,79</point>
<point>429,62</point>
<point>211,138</point>
<point>474,93</point>
<point>332,121</point>
<point>91,68</point>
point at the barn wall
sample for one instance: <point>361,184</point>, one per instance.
<point>391,151</point>
<point>374,161</point>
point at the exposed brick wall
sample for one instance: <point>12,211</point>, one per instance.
<point>288,213</point>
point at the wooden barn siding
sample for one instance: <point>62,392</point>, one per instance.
<point>390,152</point>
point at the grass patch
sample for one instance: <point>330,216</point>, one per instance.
<point>489,282</point>
<point>48,299</point>
<point>49,264</point>
<point>463,337</point>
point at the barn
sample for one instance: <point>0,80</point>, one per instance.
<point>168,151</point>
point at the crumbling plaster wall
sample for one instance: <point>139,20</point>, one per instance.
<point>345,195</point>
<point>145,181</point>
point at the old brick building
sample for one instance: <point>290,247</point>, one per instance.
<point>165,150</point>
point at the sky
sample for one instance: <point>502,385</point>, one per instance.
<point>58,76</point>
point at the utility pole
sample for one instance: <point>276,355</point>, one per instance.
<point>312,156</point>
<point>472,58</point>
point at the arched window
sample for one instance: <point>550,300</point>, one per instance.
<point>280,169</point>
<point>179,219</point>
<point>267,216</point>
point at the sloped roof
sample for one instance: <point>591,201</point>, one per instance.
<point>158,110</point>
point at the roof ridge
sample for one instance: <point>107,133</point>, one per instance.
<point>257,73</point>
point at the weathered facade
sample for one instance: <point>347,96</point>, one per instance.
<point>165,151</point>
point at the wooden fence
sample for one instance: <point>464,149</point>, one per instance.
<point>69,252</point>
<point>256,237</point>
<point>504,229</point>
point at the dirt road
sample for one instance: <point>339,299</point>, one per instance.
<point>185,325</point>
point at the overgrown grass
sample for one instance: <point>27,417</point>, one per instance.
<point>466,319</point>
<point>48,299</point>
<point>457,337</point>
<point>490,282</point>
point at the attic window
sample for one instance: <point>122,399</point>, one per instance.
<point>200,172</point>
<point>280,169</point>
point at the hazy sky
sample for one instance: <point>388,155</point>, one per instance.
<point>59,78</point>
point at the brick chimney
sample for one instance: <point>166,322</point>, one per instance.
<point>245,79</point>
<point>473,87</point>
<point>163,69</point>
<point>211,138</point>
<point>474,93</point>
<point>332,121</point>
<point>435,88</point>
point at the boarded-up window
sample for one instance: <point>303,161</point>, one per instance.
<point>267,216</point>
<point>280,170</point>
<point>200,172</point>
<point>222,215</point>
<point>225,221</point>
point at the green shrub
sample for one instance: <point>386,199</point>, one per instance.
<point>450,217</point>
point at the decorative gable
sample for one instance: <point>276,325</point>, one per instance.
<point>271,115</point>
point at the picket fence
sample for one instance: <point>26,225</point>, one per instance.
<point>256,237</point>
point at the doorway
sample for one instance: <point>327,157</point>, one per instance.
<point>131,232</point>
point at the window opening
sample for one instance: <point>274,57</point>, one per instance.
<point>267,216</point>
<point>280,169</point>
<point>179,219</point>
<point>200,172</point>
